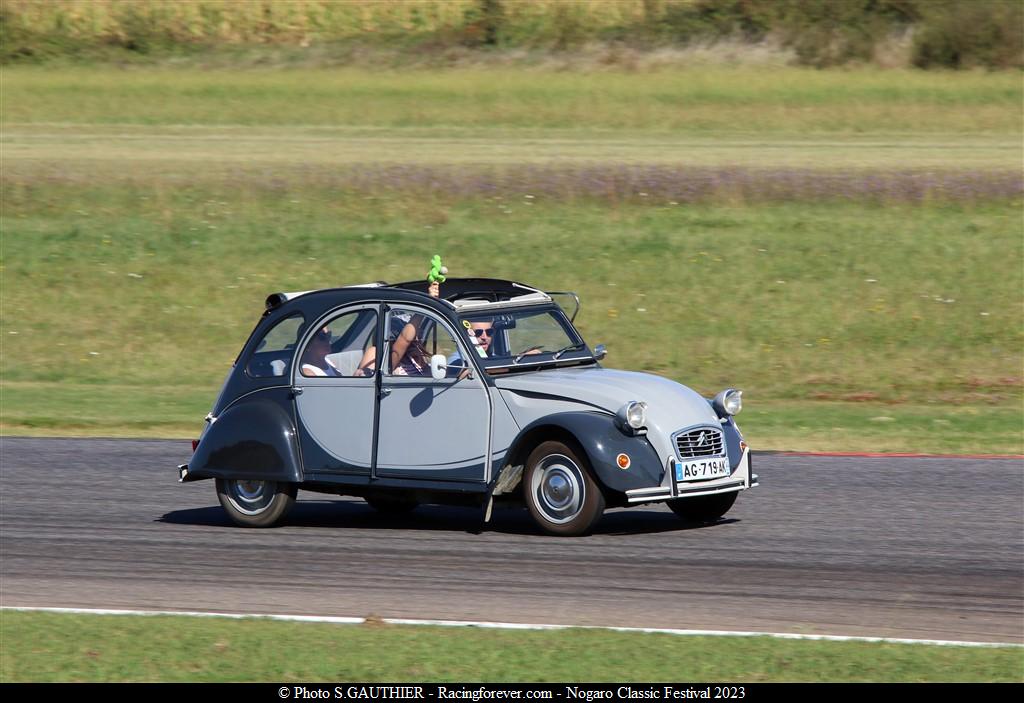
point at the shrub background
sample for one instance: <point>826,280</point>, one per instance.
<point>942,33</point>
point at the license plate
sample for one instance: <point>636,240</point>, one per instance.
<point>701,469</point>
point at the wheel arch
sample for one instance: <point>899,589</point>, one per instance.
<point>253,439</point>
<point>540,432</point>
<point>598,441</point>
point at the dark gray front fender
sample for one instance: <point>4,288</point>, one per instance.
<point>601,441</point>
<point>732,442</point>
<point>252,439</point>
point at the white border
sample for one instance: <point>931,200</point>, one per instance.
<point>510,626</point>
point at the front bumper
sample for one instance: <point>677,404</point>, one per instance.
<point>739,480</point>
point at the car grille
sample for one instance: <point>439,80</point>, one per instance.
<point>703,441</point>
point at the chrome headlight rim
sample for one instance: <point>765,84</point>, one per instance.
<point>633,416</point>
<point>728,403</point>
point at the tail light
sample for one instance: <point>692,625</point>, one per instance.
<point>195,443</point>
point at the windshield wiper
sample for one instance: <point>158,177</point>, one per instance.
<point>534,348</point>
<point>571,347</point>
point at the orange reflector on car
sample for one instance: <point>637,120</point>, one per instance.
<point>623,461</point>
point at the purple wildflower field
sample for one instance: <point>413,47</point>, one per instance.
<point>601,182</point>
<point>660,183</point>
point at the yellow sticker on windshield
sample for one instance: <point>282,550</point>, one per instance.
<point>465,323</point>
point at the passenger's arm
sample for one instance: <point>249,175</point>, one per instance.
<point>401,344</point>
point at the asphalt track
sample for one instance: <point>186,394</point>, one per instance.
<point>896,547</point>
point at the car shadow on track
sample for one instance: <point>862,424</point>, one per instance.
<point>357,515</point>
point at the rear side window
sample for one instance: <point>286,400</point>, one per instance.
<point>273,354</point>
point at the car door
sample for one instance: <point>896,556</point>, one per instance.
<point>335,399</point>
<point>430,429</point>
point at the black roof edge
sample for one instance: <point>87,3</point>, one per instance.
<point>495,289</point>
<point>456,288</point>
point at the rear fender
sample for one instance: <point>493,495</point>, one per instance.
<point>253,439</point>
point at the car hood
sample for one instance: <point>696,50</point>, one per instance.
<point>671,406</point>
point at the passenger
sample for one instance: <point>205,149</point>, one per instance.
<point>408,355</point>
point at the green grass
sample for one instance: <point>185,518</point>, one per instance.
<point>106,410</point>
<point>163,153</point>
<point>817,302</point>
<point>86,648</point>
<point>122,311</point>
<point>680,101</point>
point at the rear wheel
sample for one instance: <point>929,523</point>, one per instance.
<point>560,493</point>
<point>252,503</point>
<point>703,508</point>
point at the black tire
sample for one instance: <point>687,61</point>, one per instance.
<point>703,508</point>
<point>560,493</point>
<point>387,505</point>
<point>252,503</point>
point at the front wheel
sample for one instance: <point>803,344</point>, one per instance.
<point>252,503</point>
<point>560,494</point>
<point>703,508</point>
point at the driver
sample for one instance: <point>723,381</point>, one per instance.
<point>483,331</point>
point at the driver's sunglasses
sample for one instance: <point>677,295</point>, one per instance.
<point>489,331</point>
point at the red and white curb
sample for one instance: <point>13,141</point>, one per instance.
<point>338,620</point>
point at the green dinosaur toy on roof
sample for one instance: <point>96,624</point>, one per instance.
<point>437,270</point>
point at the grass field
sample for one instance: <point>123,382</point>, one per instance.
<point>846,246</point>
<point>163,292</point>
<point>706,100</point>
<point>44,647</point>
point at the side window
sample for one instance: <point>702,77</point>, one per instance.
<point>273,353</point>
<point>343,346</point>
<point>415,338</point>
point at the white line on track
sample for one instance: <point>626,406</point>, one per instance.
<point>510,626</point>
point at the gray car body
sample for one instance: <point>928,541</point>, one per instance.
<point>459,439</point>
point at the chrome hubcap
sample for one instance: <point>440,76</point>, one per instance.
<point>558,487</point>
<point>251,497</point>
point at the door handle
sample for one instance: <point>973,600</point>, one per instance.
<point>296,390</point>
<point>384,392</point>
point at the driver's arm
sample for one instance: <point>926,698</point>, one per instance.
<point>367,362</point>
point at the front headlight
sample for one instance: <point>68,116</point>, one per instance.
<point>728,402</point>
<point>633,414</point>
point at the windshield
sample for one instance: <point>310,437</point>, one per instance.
<point>524,338</point>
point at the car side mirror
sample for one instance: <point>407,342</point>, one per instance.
<point>439,366</point>
<point>600,352</point>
